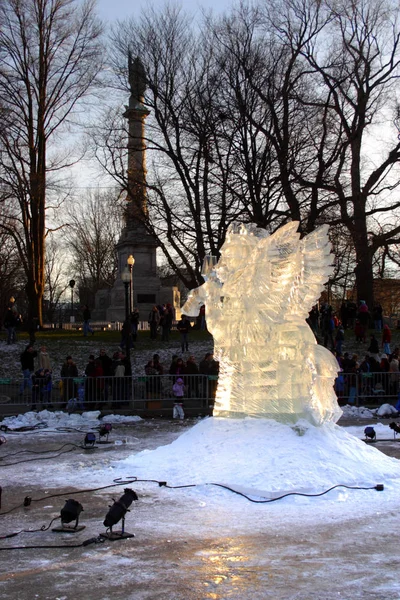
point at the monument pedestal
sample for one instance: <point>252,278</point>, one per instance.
<point>146,285</point>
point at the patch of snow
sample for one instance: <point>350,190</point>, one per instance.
<point>49,419</point>
<point>386,410</point>
<point>350,411</point>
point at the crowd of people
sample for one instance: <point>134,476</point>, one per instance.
<point>376,373</point>
<point>108,378</point>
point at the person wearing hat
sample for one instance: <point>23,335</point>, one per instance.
<point>178,390</point>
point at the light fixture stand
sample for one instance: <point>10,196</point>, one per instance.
<point>117,535</point>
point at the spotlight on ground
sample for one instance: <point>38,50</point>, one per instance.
<point>89,441</point>
<point>104,431</point>
<point>71,511</point>
<point>369,433</point>
<point>117,512</point>
<point>395,427</point>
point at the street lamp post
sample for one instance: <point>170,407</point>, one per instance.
<point>72,285</point>
<point>131,262</point>
<point>126,278</point>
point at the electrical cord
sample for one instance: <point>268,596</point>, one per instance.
<point>79,446</point>
<point>94,540</point>
<point>28,500</point>
<point>378,487</point>
<point>38,451</point>
<point>133,479</point>
<point>18,462</point>
<point>130,479</point>
<point>42,528</point>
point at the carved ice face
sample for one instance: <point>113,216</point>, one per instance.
<point>235,256</point>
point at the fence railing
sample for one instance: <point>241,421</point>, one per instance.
<point>103,325</point>
<point>368,388</point>
<point>154,392</point>
<point>139,392</point>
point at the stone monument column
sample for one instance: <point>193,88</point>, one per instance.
<point>135,238</point>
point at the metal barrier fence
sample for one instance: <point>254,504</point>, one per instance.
<point>363,389</point>
<point>154,392</point>
<point>136,393</point>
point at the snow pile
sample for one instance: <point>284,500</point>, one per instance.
<point>386,410</point>
<point>350,412</point>
<point>265,455</point>
<point>45,418</point>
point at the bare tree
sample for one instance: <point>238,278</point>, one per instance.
<point>50,58</point>
<point>358,77</point>
<point>56,281</point>
<point>11,275</point>
<point>95,223</point>
<point>207,159</point>
<point>332,77</point>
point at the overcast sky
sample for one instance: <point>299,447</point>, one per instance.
<point>119,9</point>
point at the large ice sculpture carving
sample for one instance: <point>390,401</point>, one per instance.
<point>257,298</point>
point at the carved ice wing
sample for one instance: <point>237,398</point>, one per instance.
<point>277,269</point>
<point>314,270</point>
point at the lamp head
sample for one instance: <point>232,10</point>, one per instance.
<point>369,432</point>
<point>89,440</point>
<point>120,507</point>
<point>71,511</point>
<point>395,427</point>
<point>105,429</point>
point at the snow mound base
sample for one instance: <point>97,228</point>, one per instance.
<point>265,455</point>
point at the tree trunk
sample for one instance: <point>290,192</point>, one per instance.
<point>364,276</point>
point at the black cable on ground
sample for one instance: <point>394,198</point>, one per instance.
<point>94,540</point>
<point>28,501</point>
<point>42,528</point>
<point>18,462</point>
<point>39,451</point>
<point>133,479</point>
<point>378,487</point>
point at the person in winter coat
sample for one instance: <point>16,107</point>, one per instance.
<point>44,359</point>
<point>359,332</point>
<point>154,321</point>
<point>373,347</point>
<point>183,326</point>
<point>178,390</point>
<point>86,321</point>
<point>69,371</point>
<point>27,359</point>
<point>339,339</point>
<point>10,323</point>
<point>386,339</point>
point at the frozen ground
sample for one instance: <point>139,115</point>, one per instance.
<point>206,541</point>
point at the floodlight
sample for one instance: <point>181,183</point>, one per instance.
<point>395,427</point>
<point>117,512</point>
<point>104,431</point>
<point>71,510</point>
<point>89,440</point>
<point>369,433</point>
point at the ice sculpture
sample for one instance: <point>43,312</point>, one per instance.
<point>257,298</point>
